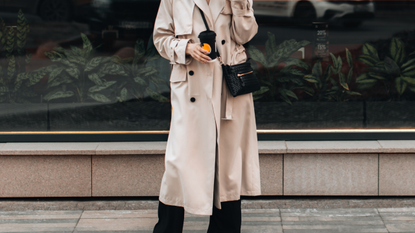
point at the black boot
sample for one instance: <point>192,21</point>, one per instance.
<point>170,219</point>
<point>226,220</point>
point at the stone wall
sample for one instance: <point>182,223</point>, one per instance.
<point>290,168</point>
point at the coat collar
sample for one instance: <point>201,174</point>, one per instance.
<point>183,13</point>
<point>212,10</point>
<point>183,16</point>
<point>216,7</point>
<point>202,4</point>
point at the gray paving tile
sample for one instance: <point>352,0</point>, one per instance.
<point>254,221</point>
<point>397,219</point>
<point>268,215</point>
<point>334,228</point>
<point>330,218</point>
<point>196,219</point>
<point>36,221</point>
<point>118,224</point>
<point>329,231</point>
<point>261,229</point>
<point>329,212</point>
<point>396,210</point>
<point>36,229</point>
<point>261,219</point>
<point>261,223</point>
<point>149,231</point>
<point>337,223</point>
<point>40,212</point>
<point>41,231</point>
<point>195,226</point>
<point>265,211</point>
<point>401,227</point>
<point>105,214</point>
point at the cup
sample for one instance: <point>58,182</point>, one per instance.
<point>208,41</point>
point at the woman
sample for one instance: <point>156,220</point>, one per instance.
<point>212,153</point>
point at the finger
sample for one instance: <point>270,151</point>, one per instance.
<point>203,51</point>
<point>199,59</point>
<point>197,55</point>
<point>203,58</point>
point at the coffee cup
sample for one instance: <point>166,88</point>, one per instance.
<point>207,42</point>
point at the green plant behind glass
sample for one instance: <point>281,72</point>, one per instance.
<point>396,73</point>
<point>81,72</point>
<point>277,81</point>
<point>338,90</point>
<point>15,82</point>
<point>142,79</point>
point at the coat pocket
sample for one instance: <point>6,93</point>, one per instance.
<point>178,73</point>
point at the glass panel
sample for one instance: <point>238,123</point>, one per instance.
<point>82,66</point>
<point>335,64</point>
<point>90,65</point>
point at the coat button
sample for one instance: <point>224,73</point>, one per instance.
<point>223,41</point>
<point>192,99</point>
<point>191,73</point>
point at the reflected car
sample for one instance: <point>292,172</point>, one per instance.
<point>48,10</point>
<point>124,15</point>
<point>350,13</point>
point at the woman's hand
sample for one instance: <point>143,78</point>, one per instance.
<point>197,53</point>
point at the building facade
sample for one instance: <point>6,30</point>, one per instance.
<point>85,73</point>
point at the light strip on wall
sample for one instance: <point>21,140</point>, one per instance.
<point>337,131</point>
<point>259,131</point>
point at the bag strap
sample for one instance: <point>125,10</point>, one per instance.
<point>207,28</point>
<point>204,19</point>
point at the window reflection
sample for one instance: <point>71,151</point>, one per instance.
<point>90,65</point>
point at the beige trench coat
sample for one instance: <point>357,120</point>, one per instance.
<point>212,151</point>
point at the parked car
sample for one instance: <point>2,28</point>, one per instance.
<point>350,13</point>
<point>49,10</point>
<point>124,15</point>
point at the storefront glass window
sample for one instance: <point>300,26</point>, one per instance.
<point>90,65</point>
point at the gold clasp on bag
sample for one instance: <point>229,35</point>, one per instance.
<point>240,75</point>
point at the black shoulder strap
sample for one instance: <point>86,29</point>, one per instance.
<point>207,27</point>
<point>204,19</point>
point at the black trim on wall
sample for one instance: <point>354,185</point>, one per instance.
<point>126,137</point>
<point>336,136</point>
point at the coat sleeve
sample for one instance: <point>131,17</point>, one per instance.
<point>244,26</point>
<point>166,43</point>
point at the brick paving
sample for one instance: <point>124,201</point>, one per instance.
<point>353,220</point>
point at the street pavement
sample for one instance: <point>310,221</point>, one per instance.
<point>353,220</point>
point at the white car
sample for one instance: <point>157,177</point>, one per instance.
<point>350,13</point>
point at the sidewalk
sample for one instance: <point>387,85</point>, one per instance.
<point>353,220</point>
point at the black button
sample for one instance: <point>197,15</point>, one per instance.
<point>223,41</point>
<point>192,99</point>
<point>191,73</point>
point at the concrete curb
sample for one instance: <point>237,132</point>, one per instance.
<point>286,203</point>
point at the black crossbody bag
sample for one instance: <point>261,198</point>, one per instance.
<point>239,78</point>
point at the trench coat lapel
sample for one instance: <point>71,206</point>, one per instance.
<point>202,4</point>
<point>216,7</point>
<point>183,21</point>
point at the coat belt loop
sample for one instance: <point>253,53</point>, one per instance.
<point>229,106</point>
